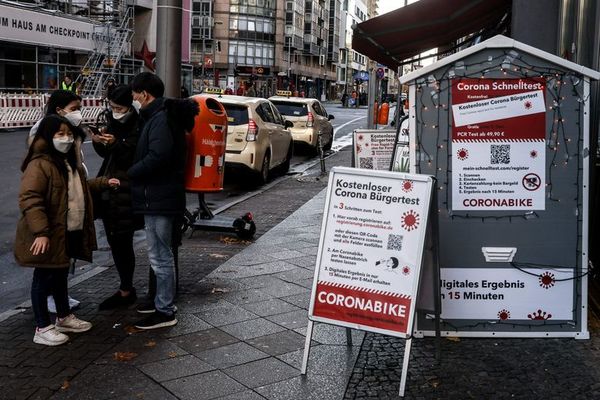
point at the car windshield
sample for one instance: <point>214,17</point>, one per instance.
<point>291,109</point>
<point>236,114</point>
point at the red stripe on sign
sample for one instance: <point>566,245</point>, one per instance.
<point>358,306</point>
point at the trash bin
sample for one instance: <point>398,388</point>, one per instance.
<point>205,165</point>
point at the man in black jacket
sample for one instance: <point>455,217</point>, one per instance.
<point>157,189</point>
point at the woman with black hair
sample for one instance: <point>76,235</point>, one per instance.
<point>112,195</point>
<point>64,103</point>
<point>56,224</point>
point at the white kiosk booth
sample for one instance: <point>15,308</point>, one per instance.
<point>504,128</point>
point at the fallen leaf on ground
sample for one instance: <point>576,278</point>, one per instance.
<point>172,354</point>
<point>232,240</point>
<point>150,343</point>
<point>65,385</point>
<point>215,255</point>
<point>434,383</point>
<point>219,290</point>
<point>130,329</point>
<point>453,338</point>
<point>124,356</point>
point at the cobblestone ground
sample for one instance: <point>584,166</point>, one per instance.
<point>30,371</point>
<point>480,368</point>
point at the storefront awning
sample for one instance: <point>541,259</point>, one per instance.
<point>393,37</point>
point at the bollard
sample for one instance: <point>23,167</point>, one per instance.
<point>321,154</point>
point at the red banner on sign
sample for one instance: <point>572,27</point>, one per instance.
<point>498,109</point>
<point>350,304</point>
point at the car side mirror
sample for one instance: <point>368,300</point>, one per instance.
<point>288,124</point>
<point>330,117</point>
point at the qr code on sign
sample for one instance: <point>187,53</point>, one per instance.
<point>500,154</point>
<point>366,163</point>
<point>395,242</point>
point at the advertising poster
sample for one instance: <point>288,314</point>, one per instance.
<point>401,157</point>
<point>498,144</point>
<point>373,149</point>
<point>506,294</point>
<point>370,251</point>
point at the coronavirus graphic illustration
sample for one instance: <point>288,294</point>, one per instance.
<point>528,105</point>
<point>503,314</point>
<point>360,138</point>
<point>533,154</point>
<point>407,186</point>
<point>547,280</point>
<point>539,315</point>
<point>406,270</point>
<point>410,220</point>
<point>462,154</point>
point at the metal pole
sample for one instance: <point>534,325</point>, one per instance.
<point>203,61</point>
<point>168,45</point>
<point>371,96</point>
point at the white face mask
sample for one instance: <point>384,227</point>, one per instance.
<point>74,117</point>
<point>137,105</point>
<point>63,144</point>
<point>120,116</point>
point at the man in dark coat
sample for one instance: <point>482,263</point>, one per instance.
<point>157,190</point>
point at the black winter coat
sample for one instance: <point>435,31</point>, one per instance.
<point>157,175</point>
<point>114,205</point>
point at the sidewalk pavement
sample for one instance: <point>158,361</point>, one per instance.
<point>241,327</point>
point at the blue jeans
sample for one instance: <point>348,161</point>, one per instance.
<point>159,229</point>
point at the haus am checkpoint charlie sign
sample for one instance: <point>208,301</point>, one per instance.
<point>370,251</point>
<point>498,144</point>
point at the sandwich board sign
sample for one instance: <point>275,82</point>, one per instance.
<point>370,252</point>
<point>373,148</point>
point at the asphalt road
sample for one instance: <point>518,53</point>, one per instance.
<point>15,281</point>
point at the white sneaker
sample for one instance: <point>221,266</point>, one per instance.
<point>71,323</point>
<point>52,306</point>
<point>49,336</point>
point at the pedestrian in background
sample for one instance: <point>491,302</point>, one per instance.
<point>344,99</point>
<point>184,93</point>
<point>158,192</point>
<point>250,91</point>
<point>67,84</point>
<point>111,191</point>
<point>56,224</point>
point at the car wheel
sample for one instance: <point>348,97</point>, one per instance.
<point>263,174</point>
<point>285,167</point>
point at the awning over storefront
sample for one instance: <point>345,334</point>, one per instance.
<point>393,37</point>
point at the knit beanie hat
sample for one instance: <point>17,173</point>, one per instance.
<point>121,95</point>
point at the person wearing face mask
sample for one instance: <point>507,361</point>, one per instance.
<point>56,225</point>
<point>111,191</point>
<point>64,103</point>
<point>67,104</point>
<point>158,193</point>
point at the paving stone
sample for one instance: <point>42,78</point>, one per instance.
<point>284,289</point>
<point>149,347</point>
<point>177,367</point>
<point>186,323</point>
<point>209,385</point>
<point>294,275</point>
<point>327,360</point>
<point>204,340</point>
<point>279,343</point>
<point>251,329</point>
<point>286,255</point>
<point>245,395</point>
<point>233,271</point>
<point>262,372</point>
<point>248,258</point>
<point>310,387</point>
<point>306,262</point>
<point>246,296</point>
<point>290,320</point>
<point>270,307</point>
<point>299,300</point>
<point>231,355</point>
<point>119,381</point>
<point>256,282</point>
<point>225,315</point>
<point>298,244</point>
<point>195,304</point>
<point>333,335</point>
